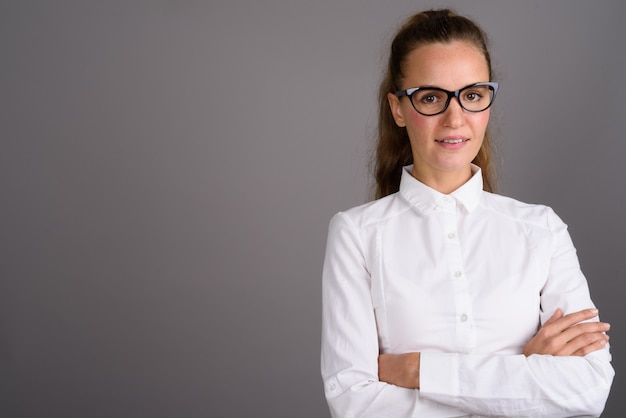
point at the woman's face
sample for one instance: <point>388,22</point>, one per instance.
<point>444,145</point>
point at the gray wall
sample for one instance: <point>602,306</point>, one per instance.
<point>168,170</point>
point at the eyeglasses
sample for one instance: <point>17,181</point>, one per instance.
<point>431,101</point>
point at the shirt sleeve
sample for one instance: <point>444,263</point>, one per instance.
<point>349,357</point>
<point>538,385</point>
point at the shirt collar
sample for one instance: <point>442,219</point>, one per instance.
<point>427,199</point>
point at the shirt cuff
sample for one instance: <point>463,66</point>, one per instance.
<point>439,374</point>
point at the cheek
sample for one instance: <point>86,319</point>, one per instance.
<point>420,121</point>
<point>481,120</point>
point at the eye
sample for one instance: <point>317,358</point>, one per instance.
<point>472,96</point>
<point>429,97</point>
<point>476,94</point>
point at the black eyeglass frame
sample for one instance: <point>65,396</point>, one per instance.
<point>493,86</point>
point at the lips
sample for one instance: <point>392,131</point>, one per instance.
<point>451,141</point>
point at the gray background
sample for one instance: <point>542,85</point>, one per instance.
<point>168,170</point>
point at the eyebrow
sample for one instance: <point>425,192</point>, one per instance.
<point>441,88</point>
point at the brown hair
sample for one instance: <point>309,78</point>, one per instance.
<point>393,150</point>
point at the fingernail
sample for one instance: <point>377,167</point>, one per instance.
<point>593,311</point>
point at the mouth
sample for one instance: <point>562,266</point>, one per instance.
<point>451,140</point>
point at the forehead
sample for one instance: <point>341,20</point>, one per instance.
<point>448,65</point>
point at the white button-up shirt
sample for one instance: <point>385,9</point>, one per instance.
<point>465,279</point>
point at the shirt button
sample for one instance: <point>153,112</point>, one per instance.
<point>457,274</point>
<point>332,386</point>
<point>463,318</point>
<point>451,235</point>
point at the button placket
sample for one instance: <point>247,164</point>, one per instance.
<point>465,338</point>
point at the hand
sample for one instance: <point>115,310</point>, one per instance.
<point>400,369</point>
<point>568,335</point>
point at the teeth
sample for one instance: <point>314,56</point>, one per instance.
<point>451,141</point>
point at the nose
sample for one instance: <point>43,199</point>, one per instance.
<point>454,115</point>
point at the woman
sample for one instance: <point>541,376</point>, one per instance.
<point>440,298</point>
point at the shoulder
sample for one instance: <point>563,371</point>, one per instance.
<point>372,213</point>
<point>537,215</point>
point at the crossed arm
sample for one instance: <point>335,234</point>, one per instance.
<point>559,336</point>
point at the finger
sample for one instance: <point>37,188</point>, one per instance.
<point>577,336</point>
<point>573,318</point>
<point>572,339</point>
<point>558,313</point>
<point>589,344</point>
<point>583,328</point>
<point>598,345</point>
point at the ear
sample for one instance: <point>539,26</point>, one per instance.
<point>396,109</point>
